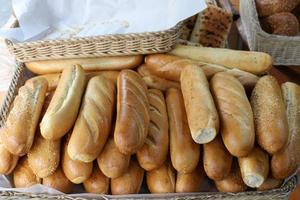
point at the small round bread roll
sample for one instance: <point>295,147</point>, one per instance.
<point>97,183</point>
<point>270,183</point>
<point>8,161</point>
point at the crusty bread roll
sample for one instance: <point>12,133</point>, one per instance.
<point>190,182</point>
<point>155,149</point>
<point>254,167</point>
<point>93,123</point>
<point>23,176</point>
<point>88,64</point>
<point>270,183</point>
<point>130,182</point>
<point>132,112</point>
<point>52,80</point>
<point>184,151</point>
<point>249,61</point>
<point>216,159</point>
<point>200,108</point>
<point>64,105</point>
<point>270,119</point>
<point>76,171</point>
<point>97,183</point>
<point>236,116</point>
<point>161,179</point>
<point>286,162</point>
<point>111,161</point>
<point>18,132</point>
<point>58,181</point>
<point>111,75</point>
<point>8,161</point>
<point>269,7</point>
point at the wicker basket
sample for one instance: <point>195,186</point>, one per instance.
<point>22,74</point>
<point>284,50</point>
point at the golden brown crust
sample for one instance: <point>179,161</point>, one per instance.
<point>97,183</point>
<point>8,161</point>
<point>52,80</point>
<point>269,7</point>
<point>111,75</point>
<point>270,183</point>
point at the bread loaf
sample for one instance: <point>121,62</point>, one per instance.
<point>64,105</point>
<point>200,108</point>
<point>235,113</point>
<point>8,161</point>
<point>270,183</point>
<point>93,123</point>
<point>18,132</point>
<point>270,119</point>
<point>269,7</point>
<point>52,80</point>
<point>132,112</point>
<point>286,162</point>
<point>155,149</point>
<point>184,151</point>
<point>97,183</point>
<point>111,75</point>
<point>88,64</point>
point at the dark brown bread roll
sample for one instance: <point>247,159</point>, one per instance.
<point>269,7</point>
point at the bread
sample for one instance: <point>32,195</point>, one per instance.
<point>161,179</point>
<point>286,162</point>
<point>8,161</point>
<point>190,182</point>
<point>269,7</point>
<point>156,147</point>
<point>58,181</point>
<point>76,171</point>
<point>184,151</point>
<point>111,161</point>
<point>217,160</point>
<point>249,61</point>
<point>111,75</point>
<point>88,64</point>
<point>93,123</point>
<point>132,112</point>
<point>52,80</point>
<point>64,105</point>
<point>17,134</point>
<point>270,183</point>
<point>212,27</point>
<point>23,176</point>
<point>283,23</point>
<point>236,116</point>
<point>200,108</point>
<point>254,167</point>
<point>271,128</point>
<point>130,182</point>
<point>97,183</point>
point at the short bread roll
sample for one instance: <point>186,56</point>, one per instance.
<point>8,161</point>
<point>97,183</point>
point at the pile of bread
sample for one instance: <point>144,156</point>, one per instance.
<point>171,118</point>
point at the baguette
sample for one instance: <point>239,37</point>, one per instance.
<point>97,183</point>
<point>88,64</point>
<point>200,108</point>
<point>76,171</point>
<point>64,105</point>
<point>184,151</point>
<point>18,132</point>
<point>8,161</point>
<point>132,112</point>
<point>52,80</point>
<point>235,114</point>
<point>253,62</point>
<point>217,160</point>
<point>155,149</point>
<point>286,162</point>
<point>130,182</point>
<point>254,167</point>
<point>111,75</point>
<point>269,7</point>
<point>58,181</point>
<point>270,119</point>
<point>93,123</point>
<point>161,179</point>
<point>269,184</point>
<point>23,176</point>
<point>111,161</point>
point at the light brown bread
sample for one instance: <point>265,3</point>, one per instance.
<point>254,167</point>
<point>269,7</point>
<point>161,179</point>
<point>111,75</point>
<point>97,183</point>
<point>88,64</point>
<point>286,162</point>
<point>93,123</point>
<point>155,149</point>
<point>130,182</point>
<point>58,181</point>
<point>64,105</point>
<point>201,112</point>
<point>270,183</point>
<point>17,135</point>
<point>52,80</point>
<point>111,161</point>
<point>132,112</point>
<point>184,151</point>
<point>236,116</point>
<point>8,161</point>
<point>270,118</point>
<point>217,160</point>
